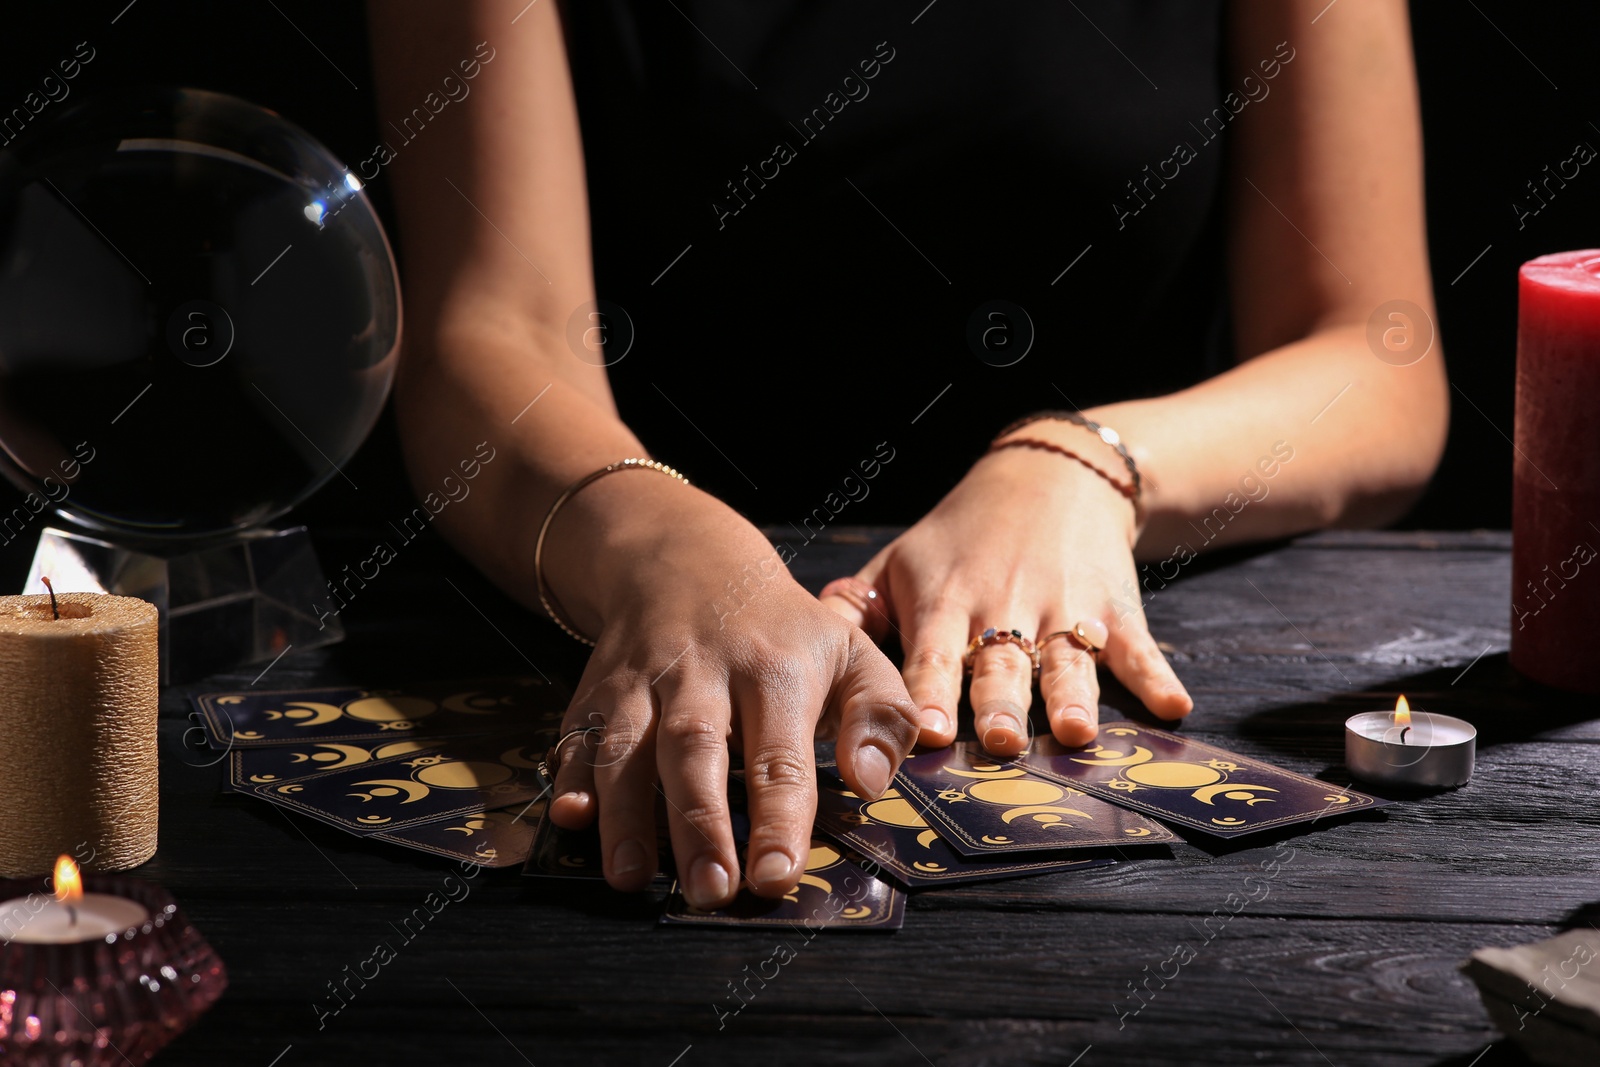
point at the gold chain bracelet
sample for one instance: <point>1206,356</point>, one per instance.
<point>547,599</point>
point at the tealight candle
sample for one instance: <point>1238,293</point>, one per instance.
<point>72,917</point>
<point>1407,748</point>
<point>97,979</point>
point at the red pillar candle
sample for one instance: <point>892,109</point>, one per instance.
<point>1555,570</point>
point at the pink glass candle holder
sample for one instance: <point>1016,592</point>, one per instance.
<point>112,998</point>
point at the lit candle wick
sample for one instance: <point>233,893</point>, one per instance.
<point>53,609</point>
<point>72,915</point>
<point>1403,731</point>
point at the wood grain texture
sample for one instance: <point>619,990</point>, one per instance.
<point>1347,955</point>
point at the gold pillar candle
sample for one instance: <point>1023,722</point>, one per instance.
<point>78,699</point>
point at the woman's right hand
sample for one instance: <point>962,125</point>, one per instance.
<point>704,639</point>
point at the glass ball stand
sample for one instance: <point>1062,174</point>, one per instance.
<point>247,598</point>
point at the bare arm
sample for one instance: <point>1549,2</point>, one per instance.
<point>495,235</point>
<point>1310,429</point>
<point>496,240</point>
<point>1325,197</point>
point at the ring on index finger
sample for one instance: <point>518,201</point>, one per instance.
<point>995,636</point>
<point>551,764</point>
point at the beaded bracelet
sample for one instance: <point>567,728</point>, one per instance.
<point>547,599</point>
<point>1105,433</point>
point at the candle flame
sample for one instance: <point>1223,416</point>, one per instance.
<point>68,884</point>
<point>1402,711</point>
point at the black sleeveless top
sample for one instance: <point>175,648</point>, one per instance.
<point>858,238</point>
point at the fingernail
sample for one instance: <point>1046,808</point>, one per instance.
<point>628,857</point>
<point>872,770</point>
<point>996,739</point>
<point>1002,728</point>
<point>708,882</point>
<point>1001,715</point>
<point>571,796</point>
<point>1074,726</point>
<point>772,868</point>
<point>934,720</point>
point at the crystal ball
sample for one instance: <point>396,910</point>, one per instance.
<point>199,315</point>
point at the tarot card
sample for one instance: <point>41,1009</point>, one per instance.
<point>469,775</point>
<point>355,714</point>
<point>575,854</point>
<point>265,766</point>
<point>984,805</point>
<point>891,832</point>
<point>501,838</point>
<point>833,894</point>
<point>1190,783</point>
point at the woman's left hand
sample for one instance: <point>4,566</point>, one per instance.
<point>1029,540</point>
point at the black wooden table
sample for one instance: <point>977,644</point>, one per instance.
<point>1350,957</point>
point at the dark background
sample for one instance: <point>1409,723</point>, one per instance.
<point>1506,89</point>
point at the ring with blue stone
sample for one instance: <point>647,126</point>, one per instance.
<point>996,636</point>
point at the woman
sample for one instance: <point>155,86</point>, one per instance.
<point>1318,215</point>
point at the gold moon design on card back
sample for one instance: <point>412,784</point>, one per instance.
<point>822,856</point>
<point>895,811</point>
<point>383,788</point>
<point>309,713</point>
<point>1110,757</point>
<point>1044,814</point>
<point>464,774</point>
<point>398,748</point>
<point>1234,791</point>
<point>390,709</point>
<point>1172,774</point>
<point>1012,791</point>
<point>335,756</point>
<point>987,771</point>
<point>811,879</point>
<point>474,703</point>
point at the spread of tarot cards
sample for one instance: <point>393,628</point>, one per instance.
<point>449,768</point>
<point>456,770</point>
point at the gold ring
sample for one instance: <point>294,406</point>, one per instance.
<point>994,636</point>
<point>1089,635</point>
